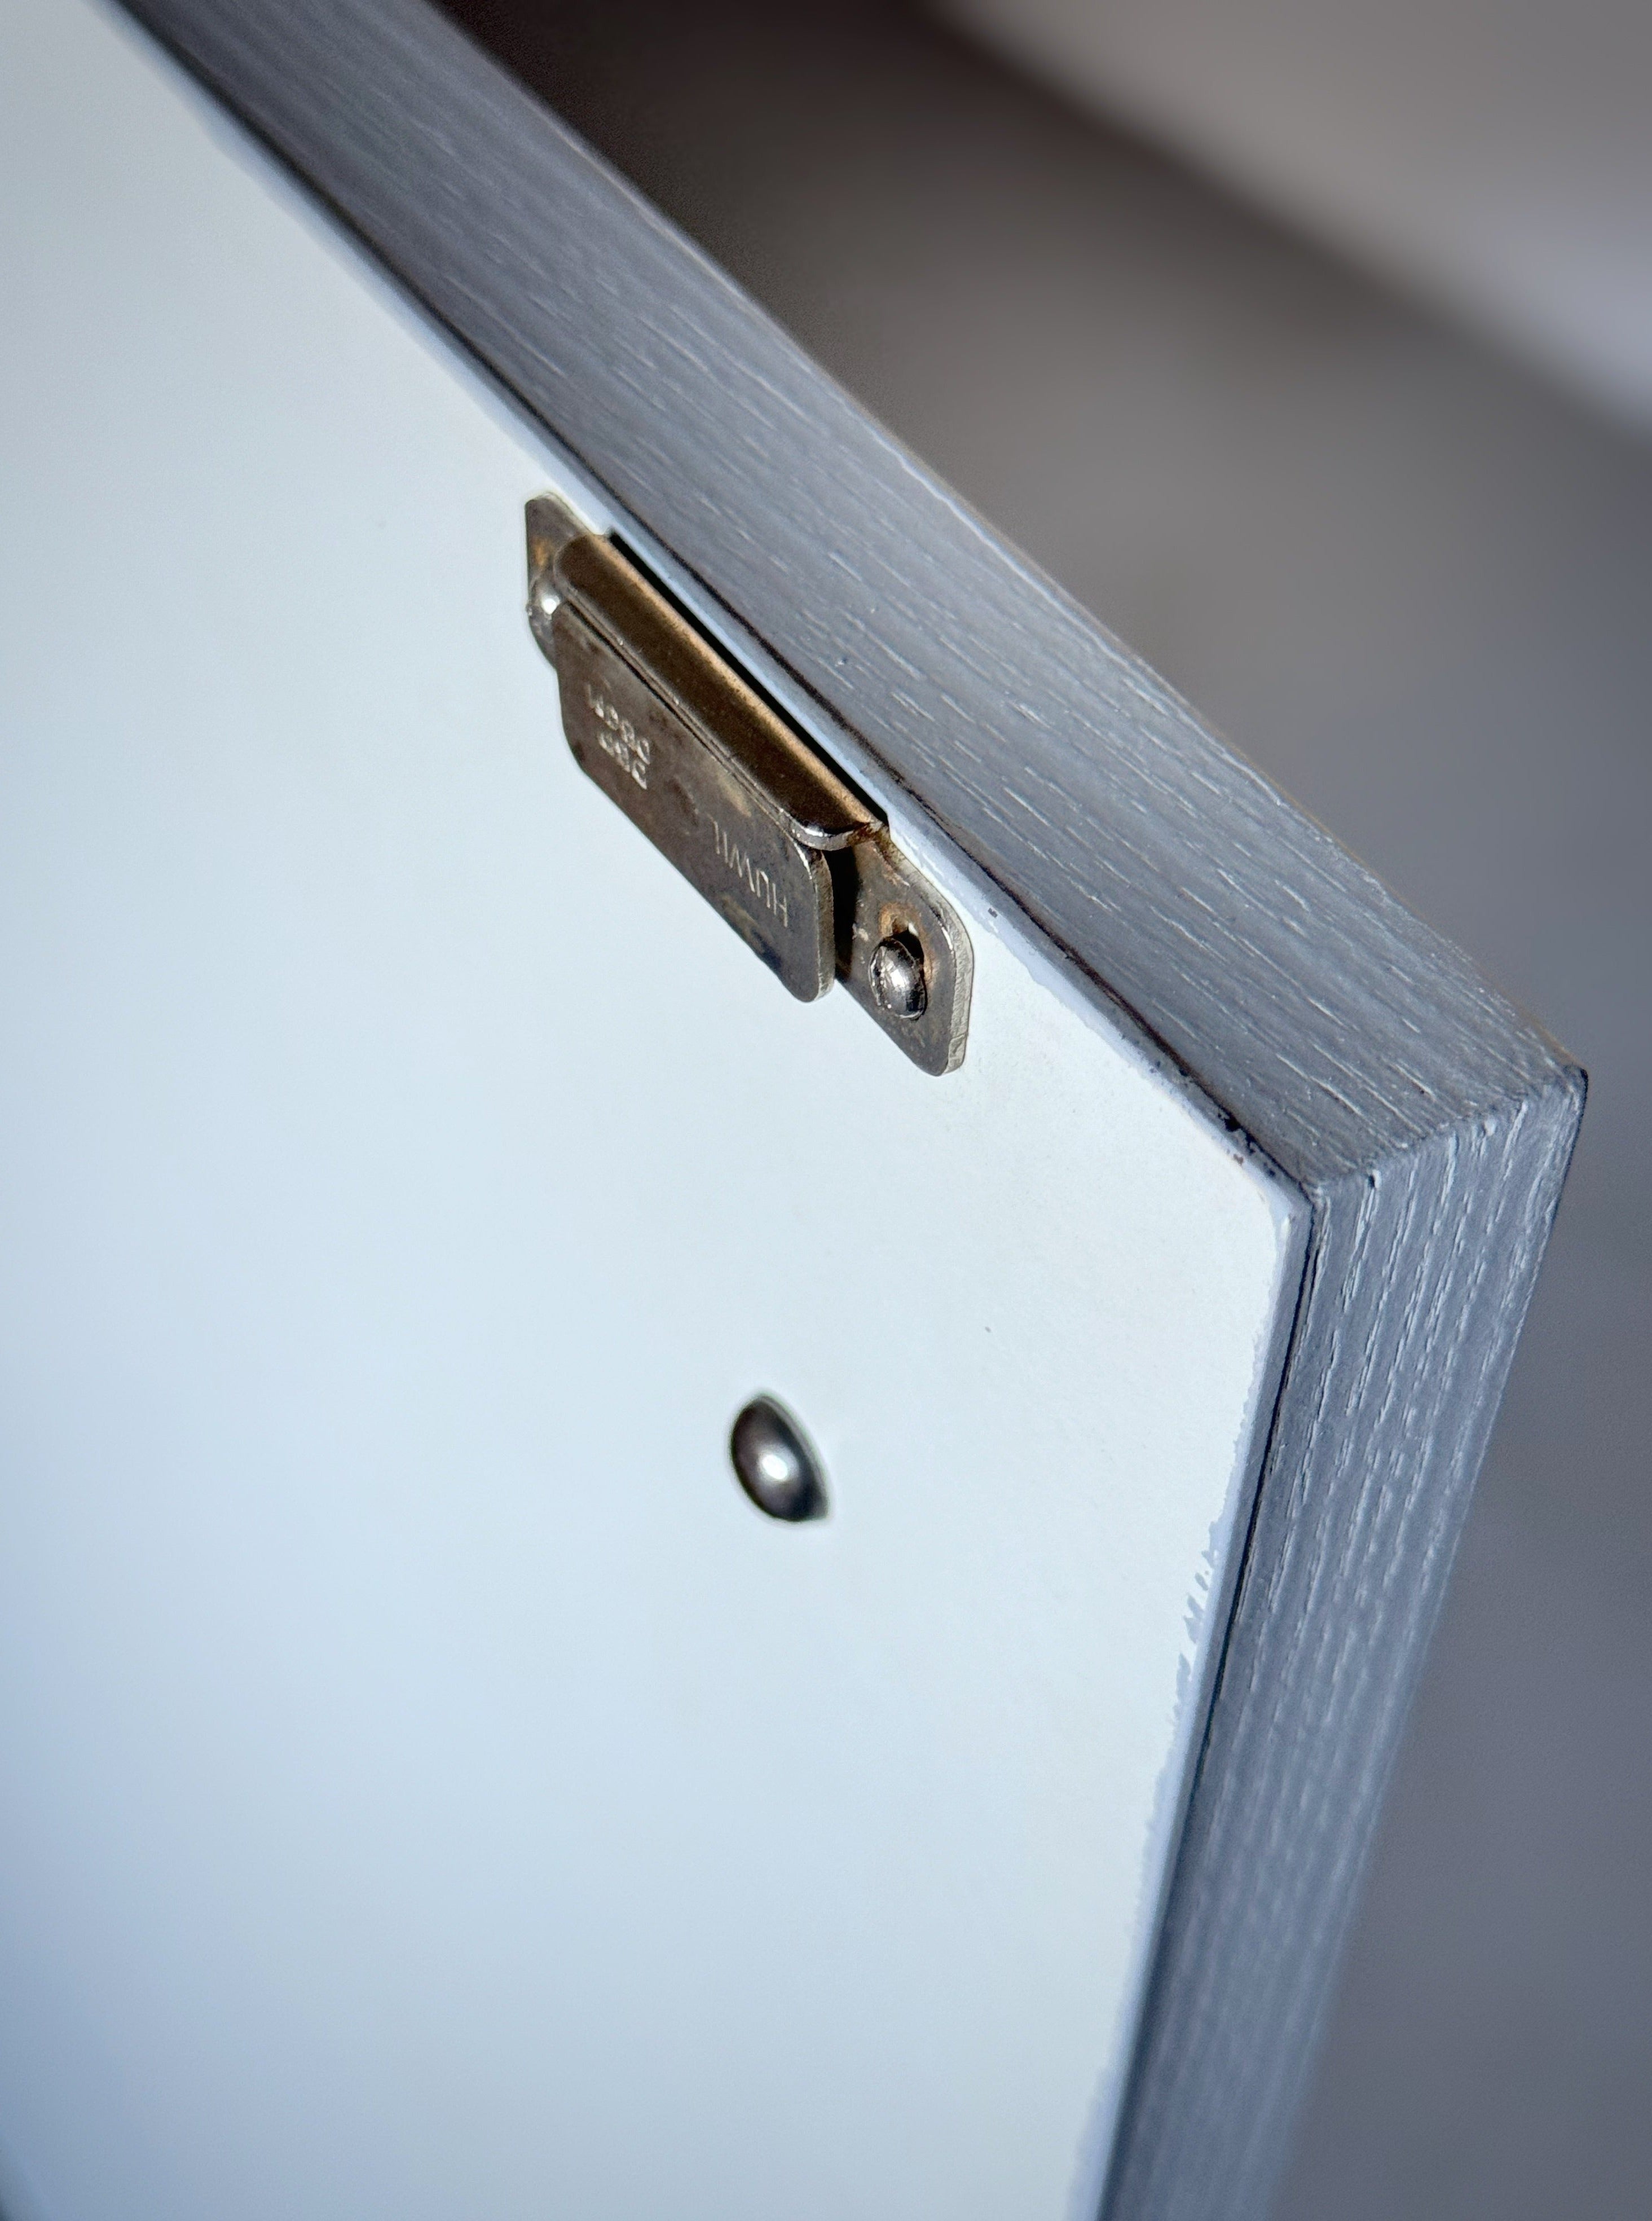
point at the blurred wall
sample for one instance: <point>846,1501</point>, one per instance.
<point>1497,154</point>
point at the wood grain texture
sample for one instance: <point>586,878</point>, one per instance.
<point>1418,1278</point>
<point>1429,1125</point>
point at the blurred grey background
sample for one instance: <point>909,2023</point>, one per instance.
<point>1412,578</point>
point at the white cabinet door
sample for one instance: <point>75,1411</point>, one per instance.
<point>431,1787</point>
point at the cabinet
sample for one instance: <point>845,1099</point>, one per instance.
<point>432,1785</point>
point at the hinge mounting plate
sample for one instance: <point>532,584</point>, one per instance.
<point>748,809</point>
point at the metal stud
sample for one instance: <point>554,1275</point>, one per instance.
<point>775,1463</point>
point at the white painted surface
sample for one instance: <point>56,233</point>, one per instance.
<point>1495,153</point>
<point>430,1788</point>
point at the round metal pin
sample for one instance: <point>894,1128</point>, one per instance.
<point>775,1463</point>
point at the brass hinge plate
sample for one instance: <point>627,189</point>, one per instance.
<point>749,811</point>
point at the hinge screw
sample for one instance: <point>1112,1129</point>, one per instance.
<point>898,986</point>
<point>542,596</point>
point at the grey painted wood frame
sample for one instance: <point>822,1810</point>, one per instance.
<point>1429,1125</point>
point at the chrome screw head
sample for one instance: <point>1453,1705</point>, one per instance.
<point>542,597</point>
<point>774,1462</point>
<point>899,987</point>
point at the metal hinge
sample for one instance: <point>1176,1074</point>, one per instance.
<point>749,811</point>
